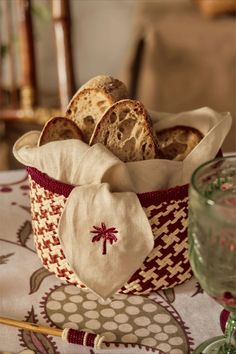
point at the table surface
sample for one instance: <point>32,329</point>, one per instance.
<point>173,321</point>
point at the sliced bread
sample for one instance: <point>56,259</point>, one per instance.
<point>125,129</point>
<point>92,100</point>
<point>59,128</point>
<point>177,142</point>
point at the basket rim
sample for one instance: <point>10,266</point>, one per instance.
<point>52,185</point>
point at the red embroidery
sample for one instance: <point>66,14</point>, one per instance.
<point>104,234</point>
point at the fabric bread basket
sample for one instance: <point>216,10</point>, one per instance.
<point>163,197</point>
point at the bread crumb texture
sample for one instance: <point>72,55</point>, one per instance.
<point>125,129</point>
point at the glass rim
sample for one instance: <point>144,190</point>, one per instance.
<point>200,167</point>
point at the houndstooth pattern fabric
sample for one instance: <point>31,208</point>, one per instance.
<point>46,209</point>
<point>166,266</point>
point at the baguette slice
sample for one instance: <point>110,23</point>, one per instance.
<point>92,100</point>
<point>125,129</point>
<point>59,128</point>
<point>177,142</point>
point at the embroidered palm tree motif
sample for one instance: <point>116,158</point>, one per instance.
<point>105,234</point>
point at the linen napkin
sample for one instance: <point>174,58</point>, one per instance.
<point>104,232</point>
<point>105,236</point>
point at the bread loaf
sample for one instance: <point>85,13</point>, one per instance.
<point>92,100</point>
<point>59,128</point>
<point>125,129</point>
<point>177,142</point>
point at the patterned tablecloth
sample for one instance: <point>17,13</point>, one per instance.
<point>173,321</point>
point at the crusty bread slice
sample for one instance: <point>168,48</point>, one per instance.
<point>59,128</point>
<point>109,84</point>
<point>92,100</point>
<point>125,129</point>
<point>177,142</point>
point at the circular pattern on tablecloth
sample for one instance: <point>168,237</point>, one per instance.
<point>77,299</point>
<point>58,295</point>
<point>122,319</point>
<point>76,318</point>
<point>92,314</point>
<point>132,310</point>
<point>54,305</point>
<point>92,324</point>
<point>70,307</point>
<point>117,304</point>
<point>110,325</point>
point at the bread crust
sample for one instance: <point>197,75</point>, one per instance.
<point>177,142</point>
<point>126,130</point>
<point>114,88</point>
<point>92,100</point>
<point>59,128</point>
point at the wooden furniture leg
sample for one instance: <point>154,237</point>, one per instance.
<point>61,19</point>
<point>29,82</point>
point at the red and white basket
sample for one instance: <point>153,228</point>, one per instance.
<point>167,211</point>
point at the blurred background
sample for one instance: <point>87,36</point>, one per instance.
<point>173,55</point>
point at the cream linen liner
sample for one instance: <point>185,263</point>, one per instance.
<point>104,231</point>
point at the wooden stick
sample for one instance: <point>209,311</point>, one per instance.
<point>34,327</point>
<point>69,335</point>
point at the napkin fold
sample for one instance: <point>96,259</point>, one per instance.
<point>57,160</point>
<point>105,236</point>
